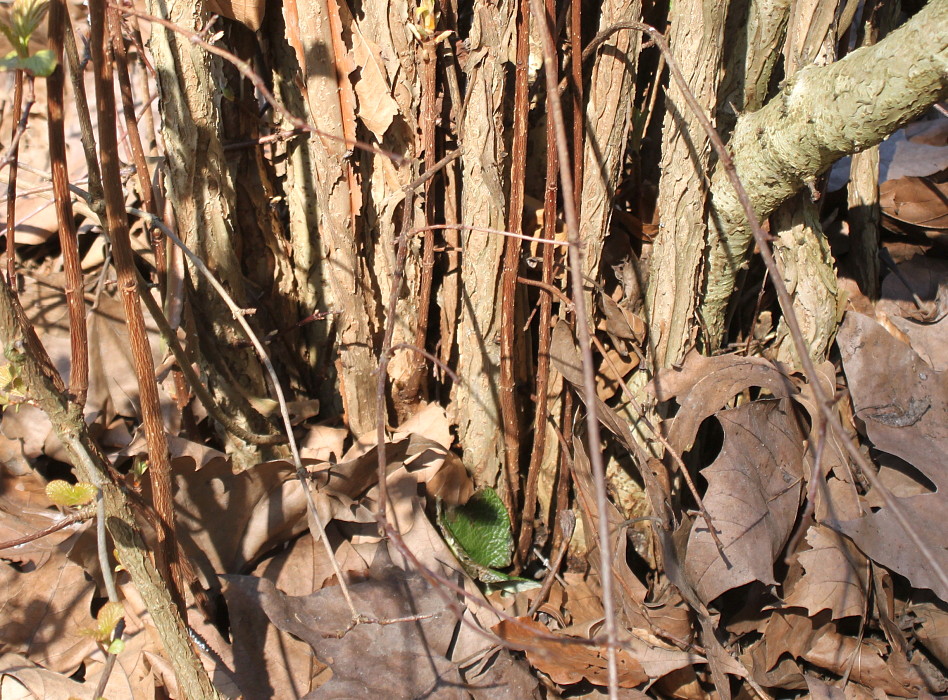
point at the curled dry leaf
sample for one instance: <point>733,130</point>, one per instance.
<point>702,385</point>
<point>753,496</point>
<point>568,660</point>
<point>836,578</point>
<point>902,406</point>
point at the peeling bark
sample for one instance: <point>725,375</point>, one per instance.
<point>483,204</point>
<point>696,38</point>
<point>609,110</point>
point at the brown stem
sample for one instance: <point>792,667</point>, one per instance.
<point>511,267</point>
<point>576,50</point>
<point>117,226</point>
<point>429,117</point>
<point>78,336</point>
<point>555,111</point>
<point>13,155</point>
<point>86,131</point>
<point>544,338</point>
<point>135,140</point>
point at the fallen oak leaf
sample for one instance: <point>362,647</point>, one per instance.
<point>569,660</point>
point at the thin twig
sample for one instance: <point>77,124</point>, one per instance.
<point>71,519</point>
<point>555,110</point>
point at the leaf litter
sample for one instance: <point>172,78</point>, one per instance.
<point>810,585</point>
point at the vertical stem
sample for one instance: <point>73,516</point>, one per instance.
<point>11,182</point>
<point>134,137</point>
<point>117,224</point>
<point>555,110</point>
<point>429,117</point>
<point>544,336</point>
<point>511,266</point>
<point>78,337</point>
<point>576,52</point>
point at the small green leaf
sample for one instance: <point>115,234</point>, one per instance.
<point>482,529</point>
<point>117,646</point>
<point>41,64</point>
<point>62,493</point>
<point>105,622</point>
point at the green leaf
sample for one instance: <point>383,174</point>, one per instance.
<point>62,493</point>
<point>41,64</point>
<point>105,622</point>
<point>482,529</point>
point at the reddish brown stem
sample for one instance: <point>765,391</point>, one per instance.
<point>135,140</point>
<point>117,225</point>
<point>576,51</point>
<point>78,337</point>
<point>544,337</point>
<point>429,116</point>
<point>511,266</point>
<point>11,182</point>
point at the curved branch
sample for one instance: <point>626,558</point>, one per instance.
<point>823,114</point>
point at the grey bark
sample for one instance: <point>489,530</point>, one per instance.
<point>696,39</point>
<point>824,113</point>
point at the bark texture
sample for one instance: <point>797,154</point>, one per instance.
<point>697,29</point>
<point>824,113</point>
<point>483,204</point>
<point>609,108</point>
<point>203,196</point>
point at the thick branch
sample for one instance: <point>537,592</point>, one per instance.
<point>46,389</point>
<point>823,114</point>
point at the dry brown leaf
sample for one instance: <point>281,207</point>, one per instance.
<point>44,613</point>
<point>398,660</point>
<point>20,679</point>
<point>916,200</point>
<point>702,385</point>
<point>25,509</point>
<point>873,667</point>
<point>836,577</point>
<point>903,406</point>
<point>926,278</point>
<point>931,628</point>
<point>902,400</point>
<point>323,443</point>
<point>880,536</point>
<point>269,663</point>
<point>567,660</point>
<point>753,496</point>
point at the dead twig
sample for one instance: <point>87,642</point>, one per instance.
<point>86,513</point>
<point>555,110</point>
